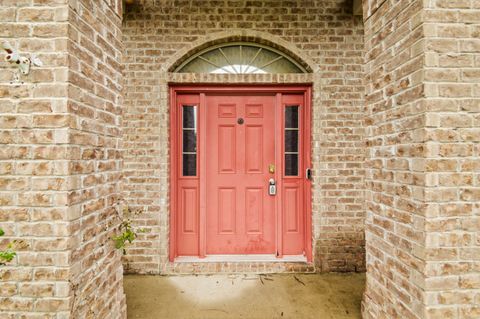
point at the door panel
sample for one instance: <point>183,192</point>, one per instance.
<point>227,198</point>
<point>226,149</point>
<point>189,220</point>
<point>254,148</point>
<point>291,209</point>
<point>240,214</point>
<point>254,210</point>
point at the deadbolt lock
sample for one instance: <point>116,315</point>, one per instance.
<point>271,168</point>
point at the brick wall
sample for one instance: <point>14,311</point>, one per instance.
<point>59,167</point>
<point>422,177</point>
<point>323,32</point>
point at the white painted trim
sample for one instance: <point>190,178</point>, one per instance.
<point>240,258</point>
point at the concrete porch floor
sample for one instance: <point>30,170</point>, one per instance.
<point>319,296</point>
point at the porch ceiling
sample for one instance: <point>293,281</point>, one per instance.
<point>357,7</point>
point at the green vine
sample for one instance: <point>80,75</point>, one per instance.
<point>8,254</point>
<point>127,233</point>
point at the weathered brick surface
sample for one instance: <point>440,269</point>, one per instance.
<point>323,33</point>
<point>422,181</point>
<point>49,127</point>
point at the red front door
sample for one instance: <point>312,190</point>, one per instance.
<point>227,144</point>
<point>239,153</point>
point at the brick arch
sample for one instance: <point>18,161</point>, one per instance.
<point>241,35</point>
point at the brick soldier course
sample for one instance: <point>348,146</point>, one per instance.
<point>395,145</point>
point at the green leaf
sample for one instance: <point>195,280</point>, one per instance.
<point>7,255</point>
<point>128,233</point>
<point>2,232</point>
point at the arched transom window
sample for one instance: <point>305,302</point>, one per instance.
<point>240,58</point>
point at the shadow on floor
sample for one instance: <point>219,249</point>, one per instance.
<point>319,296</point>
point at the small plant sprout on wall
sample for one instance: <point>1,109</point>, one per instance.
<point>22,63</point>
<point>127,233</point>
<point>7,255</point>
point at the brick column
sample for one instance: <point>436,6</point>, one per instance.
<point>59,160</point>
<point>452,166</point>
<point>423,248</point>
<point>95,83</point>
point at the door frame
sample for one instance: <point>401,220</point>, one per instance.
<point>202,90</point>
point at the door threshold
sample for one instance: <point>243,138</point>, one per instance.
<point>241,258</point>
